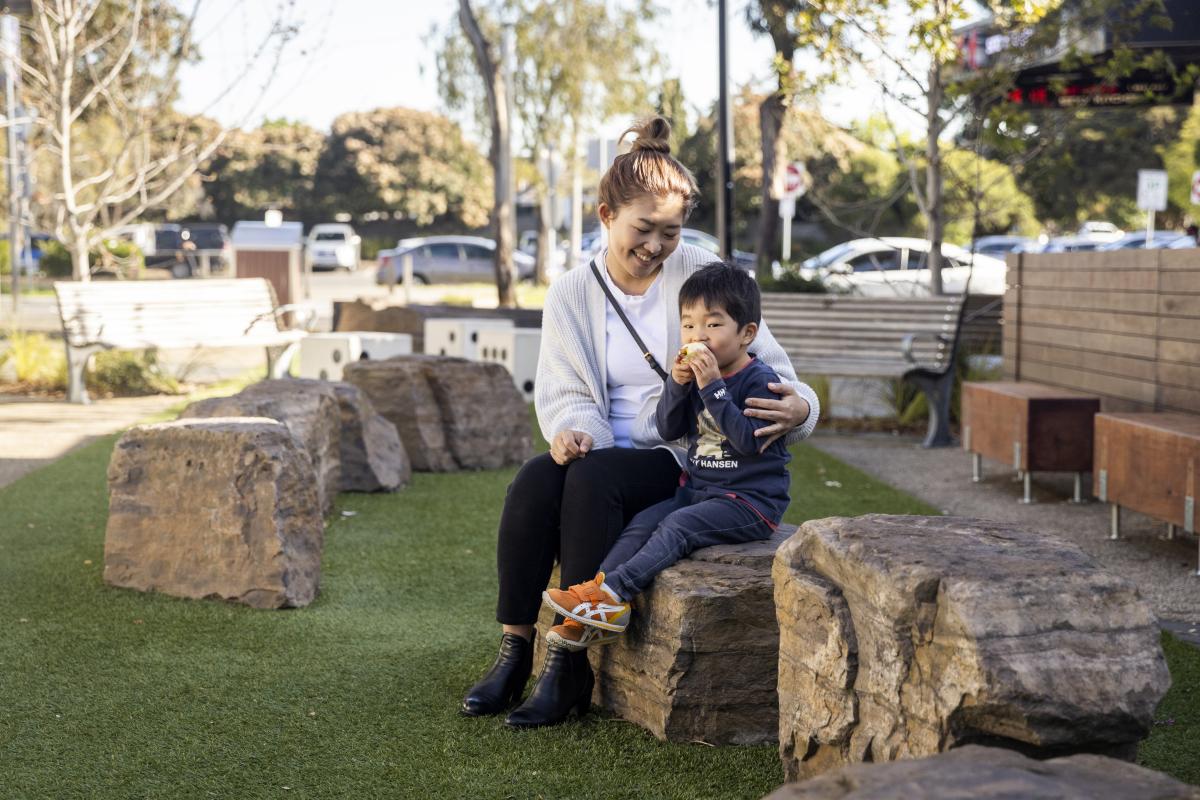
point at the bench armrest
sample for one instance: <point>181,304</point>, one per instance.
<point>907,344</point>
<point>306,317</point>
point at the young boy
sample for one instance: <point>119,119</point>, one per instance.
<point>731,492</point>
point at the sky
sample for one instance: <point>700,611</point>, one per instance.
<point>356,55</point>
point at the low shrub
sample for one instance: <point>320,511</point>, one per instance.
<point>792,282</point>
<point>117,256</point>
<point>125,373</point>
<point>37,361</point>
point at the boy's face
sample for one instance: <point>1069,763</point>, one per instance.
<point>718,331</point>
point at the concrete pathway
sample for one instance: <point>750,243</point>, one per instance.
<point>1164,570</point>
<point>35,432</point>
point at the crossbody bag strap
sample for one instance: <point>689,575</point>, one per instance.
<point>646,354</point>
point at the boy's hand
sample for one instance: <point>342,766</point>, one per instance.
<point>681,373</point>
<point>704,365</point>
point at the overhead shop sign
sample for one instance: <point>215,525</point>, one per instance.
<point>1080,89</point>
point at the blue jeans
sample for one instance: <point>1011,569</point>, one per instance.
<point>669,531</point>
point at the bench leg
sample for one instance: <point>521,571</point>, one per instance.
<point>976,467</point>
<point>937,393</point>
<point>279,360</point>
<point>1170,531</point>
<point>1026,486</point>
<point>77,361</point>
<point>1078,495</point>
<point>1114,526</point>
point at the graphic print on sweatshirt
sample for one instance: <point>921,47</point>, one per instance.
<point>712,448</point>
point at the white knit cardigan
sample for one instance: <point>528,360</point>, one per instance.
<point>570,390</point>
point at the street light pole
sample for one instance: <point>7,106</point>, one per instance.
<point>9,38</point>
<point>724,138</point>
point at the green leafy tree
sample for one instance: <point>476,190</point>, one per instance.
<point>563,81</point>
<point>273,166</point>
<point>411,164</point>
<point>1181,159</point>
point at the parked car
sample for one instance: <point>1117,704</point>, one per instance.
<point>1137,241</point>
<point>889,266</point>
<point>593,241</point>
<point>333,245</point>
<point>1068,244</point>
<point>447,259</point>
<point>1000,246</point>
<point>1099,231</point>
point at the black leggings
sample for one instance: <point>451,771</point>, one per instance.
<point>574,514</point>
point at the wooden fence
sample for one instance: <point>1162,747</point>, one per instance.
<point>1123,325</point>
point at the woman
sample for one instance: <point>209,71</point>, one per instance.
<point>595,399</point>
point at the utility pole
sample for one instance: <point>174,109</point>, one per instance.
<point>10,33</point>
<point>724,138</point>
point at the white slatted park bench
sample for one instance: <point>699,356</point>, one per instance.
<point>914,338</point>
<point>143,315</point>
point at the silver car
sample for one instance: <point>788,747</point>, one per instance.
<point>447,259</point>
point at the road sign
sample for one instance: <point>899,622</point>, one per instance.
<point>1152,190</point>
<point>1196,188</point>
<point>795,180</point>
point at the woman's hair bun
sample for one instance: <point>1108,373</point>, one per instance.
<point>652,134</point>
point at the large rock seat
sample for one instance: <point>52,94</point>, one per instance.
<point>902,637</point>
<point>451,413</point>
<point>991,773</point>
<point>309,409</point>
<point>221,507</point>
<point>698,661</point>
<point>373,458</point>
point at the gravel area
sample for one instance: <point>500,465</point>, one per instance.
<point>1164,570</point>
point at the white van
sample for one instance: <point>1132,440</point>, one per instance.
<point>333,245</point>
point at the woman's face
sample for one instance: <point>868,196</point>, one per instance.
<point>641,235</point>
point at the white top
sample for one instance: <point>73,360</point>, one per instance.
<point>571,388</point>
<point>630,380</point>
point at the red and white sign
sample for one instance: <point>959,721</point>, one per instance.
<point>1196,188</point>
<point>795,180</point>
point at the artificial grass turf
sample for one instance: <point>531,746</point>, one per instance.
<point>113,693</point>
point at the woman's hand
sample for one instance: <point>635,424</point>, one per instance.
<point>788,412</point>
<point>569,445</point>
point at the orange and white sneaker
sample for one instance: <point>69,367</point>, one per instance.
<point>587,603</point>
<point>577,636</point>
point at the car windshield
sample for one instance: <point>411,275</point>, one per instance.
<point>831,255</point>
<point>330,236</point>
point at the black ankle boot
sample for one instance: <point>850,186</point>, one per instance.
<point>500,689</point>
<point>564,684</point>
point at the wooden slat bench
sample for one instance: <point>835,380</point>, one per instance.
<point>864,337</point>
<point>141,315</point>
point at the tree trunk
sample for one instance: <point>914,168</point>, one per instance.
<point>81,267</point>
<point>770,122</point>
<point>500,153</point>
<point>934,210</point>
<point>545,239</point>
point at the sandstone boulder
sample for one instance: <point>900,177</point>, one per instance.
<point>372,456</point>
<point>905,636</point>
<point>451,413</point>
<point>214,508</point>
<point>309,409</point>
<point>698,662</point>
<point>991,773</point>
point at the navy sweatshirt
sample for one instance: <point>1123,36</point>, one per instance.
<point>723,457</point>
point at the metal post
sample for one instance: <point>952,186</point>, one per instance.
<point>1078,496</point>
<point>1114,526</point>
<point>406,262</point>
<point>1026,482</point>
<point>9,34</point>
<point>724,137</point>
<point>976,467</point>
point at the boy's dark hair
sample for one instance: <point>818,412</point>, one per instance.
<point>722,285</point>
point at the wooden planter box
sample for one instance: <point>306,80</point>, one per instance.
<point>1149,463</point>
<point>1035,428</point>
